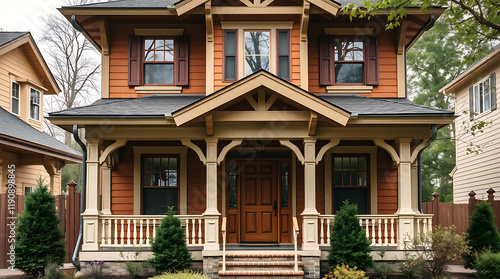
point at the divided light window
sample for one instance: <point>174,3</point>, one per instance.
<point>350,181</point>
<point>257,47</point>
<point>349,60</point>
<point>160,183</point>
<point>159,61</point>
<point>482,96</point>
<point>15,98</point>
<point>34,104</point>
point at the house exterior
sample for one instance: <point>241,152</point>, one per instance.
<point>476,98</point>
<point>255,120</point>
<point>25,150</point>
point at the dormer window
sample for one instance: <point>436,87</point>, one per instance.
<point>35,104</point>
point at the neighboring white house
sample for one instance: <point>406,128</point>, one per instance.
<point>475,91</point>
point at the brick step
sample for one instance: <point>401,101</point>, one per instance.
<point>261,263</point>
<point>253,273</point>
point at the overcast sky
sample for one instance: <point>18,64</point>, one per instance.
<point>24,15</point>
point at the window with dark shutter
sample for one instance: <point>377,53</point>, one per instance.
<point>134,61</point>
<point>230,50</point>
<point>182,61</point>
<point>284,54</point>
<point>371,60</point>
<point>325,60</point>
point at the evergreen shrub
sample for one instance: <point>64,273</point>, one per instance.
<point>488,265</point>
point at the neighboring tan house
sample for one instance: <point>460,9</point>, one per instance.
<point>25,150</point>
<point>249,117</point>
<point>476,99</point>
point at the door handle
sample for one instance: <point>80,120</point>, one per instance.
<point>275,207</point>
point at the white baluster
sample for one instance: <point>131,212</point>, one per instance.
<point>122,233</point>
<point>322,233</point>
<point>154,227</point>
<point>103,236</point>
<point>186,222</point>
<point>128,231</point>
<point>429,227</point>
<point>386,237</point>
<point>141,232</point>
<point>328,231</point>
<point>147,232</point>
<point>110,223</point>
<point>373,231</point>
<point>366,226</point>
<point>392,231</point>
<point>379,242</point>
<point>193,231</point>
<point>116,231</point>
<point>200,221</point>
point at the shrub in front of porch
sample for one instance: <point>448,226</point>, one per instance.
<point>169,246</point>
<point>38,237</point>
<point>482,233</point>
<point>348,242</point>
<point>186,274</point>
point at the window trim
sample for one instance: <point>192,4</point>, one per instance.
<point>353,37</point>
<point>487,78</point>
<point>39,105</point>
<point>143,62</point>
<point>18,98</point>
<point>182,176</point>
<point>372,151</point>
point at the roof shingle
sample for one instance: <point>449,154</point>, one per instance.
<point>7,37</point>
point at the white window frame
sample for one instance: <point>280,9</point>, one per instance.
<point>261,26</point>
<point>39,104</point>
<point>477,95</point>
<point>12,98</point>
<point>32,189</point>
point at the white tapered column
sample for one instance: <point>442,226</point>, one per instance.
<point>91,214</point>
<point>211,213</point>
<point>405,194</point>
<point>310,214</point>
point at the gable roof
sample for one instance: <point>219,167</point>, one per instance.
<point>474,71</point>
<point>17,133</point>
<point>13,40</point>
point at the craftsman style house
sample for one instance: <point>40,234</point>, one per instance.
<point>25,150</point>
<point>475,91</point>
<point>255,120</point>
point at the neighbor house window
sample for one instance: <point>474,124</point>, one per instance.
<point>349,60</point>
<point>160,183</point>
<point>15,98</point>
<point>350,181</point>
<point>34,104</point>
<point>28,190</point>
<point>158,61</point>
<point>484,95</point>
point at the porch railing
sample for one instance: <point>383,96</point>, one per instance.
<point>139,230</point>
<point>295,236</point>
<point>380,229</point>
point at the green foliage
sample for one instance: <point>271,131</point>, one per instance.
<point>482,233</point>
<point>52,272</point>
<point>169,246</point>
<point>344,272</point>
<point>488,265</point>
<point>95,269</point>
<point>382,269</point>
<point>133,265</point>
<point>187,274</point>
<point>433,251</point>
<point>38,237</point>
<point>348,242</point>
<point>71,172</point>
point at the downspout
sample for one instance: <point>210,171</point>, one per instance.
<point>428,25</point>
<point>433,138</point>
<point>82,195</point>
<point>82,30</point>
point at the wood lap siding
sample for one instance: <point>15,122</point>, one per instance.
<point>387,184</point>
<point>122,183</point>
<point>387,87</point>
<point>119,48</point>
<point>196,178</point>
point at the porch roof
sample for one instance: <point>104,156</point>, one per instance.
<point>161,106</point>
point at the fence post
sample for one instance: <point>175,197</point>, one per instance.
<point>71,204</point>
<point>435,208</point>
<point>472,202</point>
<point>491,195</point>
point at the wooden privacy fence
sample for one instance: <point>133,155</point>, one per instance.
<point>447,214</point>
<point>67,207</point>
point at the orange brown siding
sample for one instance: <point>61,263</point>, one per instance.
<point>387,184</point>
<point>122,183</point>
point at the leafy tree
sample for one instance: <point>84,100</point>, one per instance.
<point>38,237</point>
<point>348,242</point>
<point>482,233</point>
<point>169,246</point>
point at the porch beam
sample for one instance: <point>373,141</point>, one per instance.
<point>261,115</point>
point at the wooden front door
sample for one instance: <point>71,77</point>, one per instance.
<point>259,201</point>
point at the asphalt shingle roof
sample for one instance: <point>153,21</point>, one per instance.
<point>6,37</point>
<point>14,127</point>
<point>153,106</point>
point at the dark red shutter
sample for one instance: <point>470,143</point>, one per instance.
<point>325,60</point>
<point>182,61</point>
<point>372,60</point>
<point>134,61</point>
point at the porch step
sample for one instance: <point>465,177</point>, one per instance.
<point>241,265</point>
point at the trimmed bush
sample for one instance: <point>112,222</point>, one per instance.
<point>482,233</point>
<point>488,265</point>
<point>348,242</point>
<point>187,274</point>
<point>38,237</point>
<point>169,246</point>
<point>344,272</point>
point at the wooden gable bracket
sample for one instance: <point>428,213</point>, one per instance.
<point>110,149</point>
<point>104,34</point>
<point>394,154</point>
<point>327,6</point>
<point>313,120</point>
<point>209,23</point>
<point>319,156</point>
<point>261,104</point>
<point>400,38</point>
<point>209,122</point>
<point>185,6</point>
<point>304,23</point>
<point>257,3</point>
<point>51,166</point>
<point>221,155</point>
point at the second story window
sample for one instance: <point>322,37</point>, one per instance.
<point>256,51</point>
<point>482,96</point>
<point>159,61</point>
<point>15,98</point>
<point>35,104</point>
<point>349,60</point>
